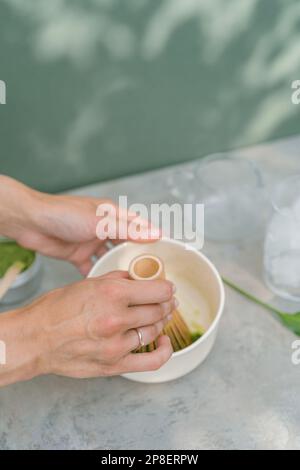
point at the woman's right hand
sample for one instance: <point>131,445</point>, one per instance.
<point>88,329</point>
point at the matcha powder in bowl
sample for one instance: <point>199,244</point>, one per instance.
<point>27,264</point>
<point>10,252</point>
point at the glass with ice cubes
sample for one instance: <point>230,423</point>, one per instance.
<point>282,242</point>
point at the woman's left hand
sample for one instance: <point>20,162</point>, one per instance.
<point>61,226</point>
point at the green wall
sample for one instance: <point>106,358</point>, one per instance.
<point>97,89</point>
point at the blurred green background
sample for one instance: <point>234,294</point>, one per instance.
<point>97,89</point>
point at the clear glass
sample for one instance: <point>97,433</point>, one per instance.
<point>231,190</point>
<point>282,242</point>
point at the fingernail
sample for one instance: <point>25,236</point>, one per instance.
<point>176,302</point>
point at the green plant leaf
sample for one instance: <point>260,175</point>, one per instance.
<point>289,320</point>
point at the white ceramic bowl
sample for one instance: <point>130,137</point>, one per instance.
<point>200,293</point>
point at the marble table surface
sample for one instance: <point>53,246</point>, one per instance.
<point>245,395</point>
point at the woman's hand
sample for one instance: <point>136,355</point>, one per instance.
<point>59,226</point>
<point>88,329</point>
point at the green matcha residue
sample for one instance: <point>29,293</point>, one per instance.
<point>10,252</point>
<point>195,336</point>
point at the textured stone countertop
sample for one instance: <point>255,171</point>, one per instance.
<point>245,395</point>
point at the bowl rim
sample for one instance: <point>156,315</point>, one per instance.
<point>29,273</point>
<point>217,276</point>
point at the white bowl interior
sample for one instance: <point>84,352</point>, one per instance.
<point>198,292</point>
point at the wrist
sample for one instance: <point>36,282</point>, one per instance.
<point>24,346</point>
<point>17,203</point>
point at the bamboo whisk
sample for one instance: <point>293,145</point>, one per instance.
<point>148,267</point>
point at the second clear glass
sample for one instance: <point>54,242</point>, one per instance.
<point>282,242</point>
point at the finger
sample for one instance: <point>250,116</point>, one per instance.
<point>81,256</point>
<point>116,275</point>
<point>149,292</point>
<point>125,225</point>
<point>131,363</point>
<point>147,314</point>
<point>113,349</point>
<point>84,267</point>
<point>134,218</point>
<point>117,241</point>
<point>138,229</point>
<point>142,231</point>
<point>101,250</point>
<point>135,338</point>
<point>147,361</point>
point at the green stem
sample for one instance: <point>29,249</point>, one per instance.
<point>252,297</point>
